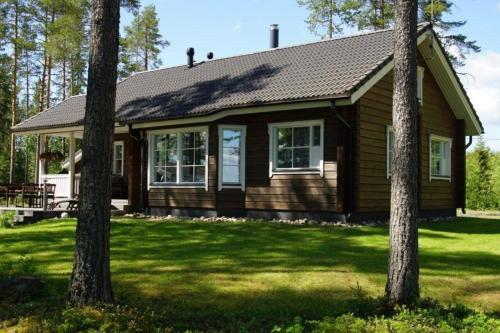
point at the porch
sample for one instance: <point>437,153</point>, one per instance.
<point>55,185</point>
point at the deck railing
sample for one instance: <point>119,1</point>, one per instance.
<point>62,184</point>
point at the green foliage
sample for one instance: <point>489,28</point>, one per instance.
<point>22,266</point>
<point>7,219</point>
<point>483,178</point>
<point>142,42</point>
<point>420,319</point>
<point>328,17</point>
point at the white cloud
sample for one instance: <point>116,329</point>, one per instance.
<point>483,86</point>
<point>237,26</point>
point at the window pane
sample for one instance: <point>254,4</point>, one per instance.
<point>188,156</point>
<point>118,151</point>
<point>231,174</point>
<point>315,157</point>
<point>436,158</point>
<point>300,136</point>
<point>201,139</point>
<point>188,140</point>
<point>199,157</point>
<point>284,158</point>
<point>316,135</point>
<point>301,157</point>
<point>187,174</point>
<point>284,137</point>
<point>231,156</point>
<point>165,175</point>
<point>231,138</point>
<point>199,174</point>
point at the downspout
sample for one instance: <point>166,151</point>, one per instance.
<point>141,172</point>
<point>349,190</point>
<point>469,143</point>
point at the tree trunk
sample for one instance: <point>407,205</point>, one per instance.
<point>49,61</point>
<point>402,278</point>
<point>14,89</point>
<point>63,88</point>
<point>91,277</point>
<point>43,81</point>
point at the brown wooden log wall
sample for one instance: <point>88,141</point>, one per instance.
<point>436,117</point>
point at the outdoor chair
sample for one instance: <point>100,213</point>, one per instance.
<point>13,191</point>
<point>33,195</point>
<point>51,192</point>
<point>4,192</point>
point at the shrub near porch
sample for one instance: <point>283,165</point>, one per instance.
<point>211,274</point>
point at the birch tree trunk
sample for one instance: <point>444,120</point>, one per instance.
<point>402,278</point>
<point>91,277</point>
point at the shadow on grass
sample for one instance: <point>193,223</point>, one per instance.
<point>465,225</point>
<point>220,275</point>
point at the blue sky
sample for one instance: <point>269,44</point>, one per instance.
<point>229,27</point>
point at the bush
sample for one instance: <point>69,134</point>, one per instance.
<point>7,219</point>
<point>23,266</point>
<point>434,319</point>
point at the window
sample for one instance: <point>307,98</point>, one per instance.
<point>390,143</point>
<point>440,157</point>
<point>420,85</point>
<point>296,147</point>
<point>232,156</point>
<point>178,157</point>
<point>118,158</point>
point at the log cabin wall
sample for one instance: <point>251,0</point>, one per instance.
<point>284,192</point>
<point>436,117</point>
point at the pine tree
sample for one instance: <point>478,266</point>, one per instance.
<point>328,17</point>
<point>403,271</point>
<point>91,277</point>
<point>379,14</point>
<point>457,45</point>
<point>141,45</point>
<point>372,14</point>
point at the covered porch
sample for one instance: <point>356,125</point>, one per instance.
<point>55,185</point>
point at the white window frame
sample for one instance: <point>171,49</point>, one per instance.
<point>273,153</point>
<point>243,130</point>
<point>118,143</point>
<point>420,85</point>
<point>178,184</point>
<point>388,131</point>
<point>433,137</point>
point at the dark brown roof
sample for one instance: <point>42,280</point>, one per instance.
<point>322,70</point>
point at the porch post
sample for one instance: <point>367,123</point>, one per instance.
<point>71,170</point>
<point>41,163</point>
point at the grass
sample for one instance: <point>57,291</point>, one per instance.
<point>213,274</point>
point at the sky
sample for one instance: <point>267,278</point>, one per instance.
<point>231,27</point>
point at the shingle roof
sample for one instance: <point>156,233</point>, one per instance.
<point>322,70</point>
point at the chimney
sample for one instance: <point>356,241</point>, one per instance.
<point>274,36</point>
<point>190,57</point>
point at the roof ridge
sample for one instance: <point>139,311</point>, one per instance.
<point>359,34</point>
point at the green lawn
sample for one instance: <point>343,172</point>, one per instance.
<point>215,273</point>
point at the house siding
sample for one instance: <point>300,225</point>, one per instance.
<point>435,117</point>
<point>289,192</point>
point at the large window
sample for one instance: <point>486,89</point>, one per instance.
<point>232,156</point>
<point>389,148</point>
<point>296,147</point>
<point>178,157</point>
<point>440,157</point>
<point>118,158</point>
